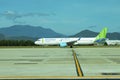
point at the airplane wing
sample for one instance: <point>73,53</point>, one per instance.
<point>69,43</point>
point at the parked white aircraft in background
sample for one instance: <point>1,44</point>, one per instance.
<point>112,42</point>
<point>63,42</point>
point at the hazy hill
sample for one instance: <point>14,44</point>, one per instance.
<point>114,36</point>
<point>88,33</point>
<point>85,33</point>
<point>29,31</point>
<point>21,38</point>
<point>2,36</point>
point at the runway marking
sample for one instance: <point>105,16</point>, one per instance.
<point>77,64</point>
<point>110,73</point>
<point>59,77</point>
<point>24,63</point>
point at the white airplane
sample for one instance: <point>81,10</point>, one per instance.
<point>63,42</point>
<point>112,42</point>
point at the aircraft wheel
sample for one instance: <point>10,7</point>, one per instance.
<point>71,46</point>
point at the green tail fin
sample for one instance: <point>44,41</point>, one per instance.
<point>102,34</point>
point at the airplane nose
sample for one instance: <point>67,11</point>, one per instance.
<point>36,42</point>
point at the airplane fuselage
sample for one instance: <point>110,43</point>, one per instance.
<point>57,41</point>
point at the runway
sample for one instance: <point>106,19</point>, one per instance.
<point>59,62</point>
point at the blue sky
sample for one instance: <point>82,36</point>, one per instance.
<point>63,16</point>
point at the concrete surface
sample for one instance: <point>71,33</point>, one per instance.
<point>37,62</point>
<point>99,61</point>
<point>59,61</point>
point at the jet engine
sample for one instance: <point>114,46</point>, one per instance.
<point>63,44</point>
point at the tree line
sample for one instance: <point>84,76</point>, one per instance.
<point>16,43</point>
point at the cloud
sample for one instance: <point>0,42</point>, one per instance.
<point>12,15</point>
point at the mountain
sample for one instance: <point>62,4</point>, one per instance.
<point>114,36</point>
<point>88,33</point>
<point>85,33</point>
<point>28,31</point>
<point>2,36</point>
<point>21,38</point>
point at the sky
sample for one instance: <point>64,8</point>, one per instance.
<point>63,16</point>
